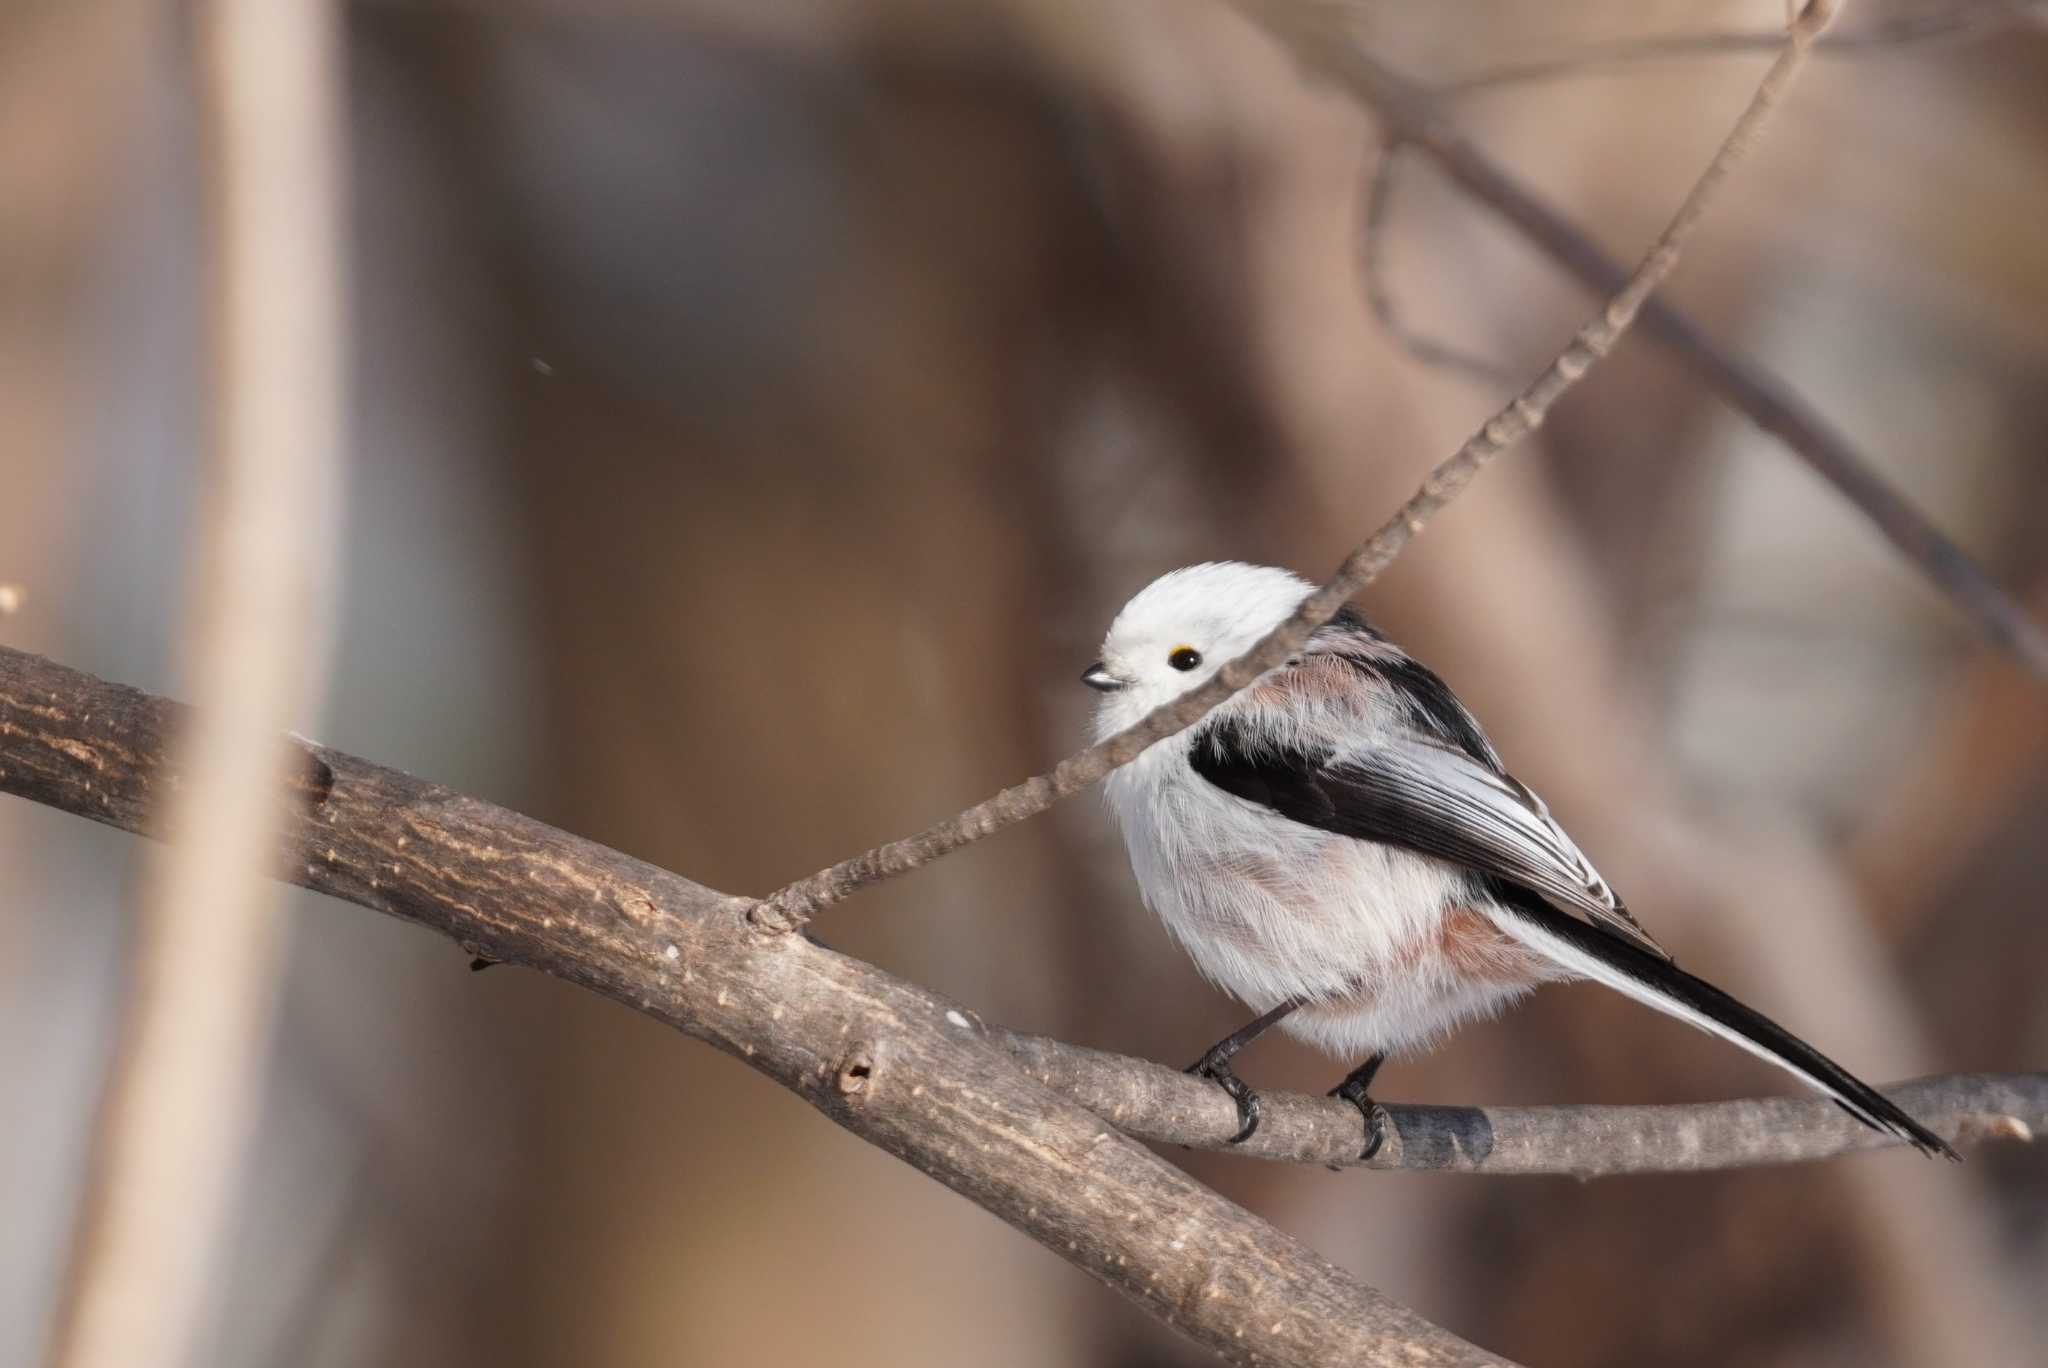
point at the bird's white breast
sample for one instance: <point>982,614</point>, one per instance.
<point>1271,909</point>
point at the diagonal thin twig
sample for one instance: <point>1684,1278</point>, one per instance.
<point>1975,19</point>
<point>1317,28</point>
<point>1409,116</point>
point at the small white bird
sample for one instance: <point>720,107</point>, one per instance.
<point>1340,846</point>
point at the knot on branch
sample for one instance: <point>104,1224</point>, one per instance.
<point>856,1073</point>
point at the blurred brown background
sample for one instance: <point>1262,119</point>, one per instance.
<point>759,411</point>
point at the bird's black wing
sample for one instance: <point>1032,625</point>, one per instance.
<point>1431,708</point>
<point>1415,792</point>
<point>1429,789</point>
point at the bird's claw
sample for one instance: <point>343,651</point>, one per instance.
<point>1217,1070</point>
<point>1376,1118</point>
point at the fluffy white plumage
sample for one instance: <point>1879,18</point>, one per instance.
<point>1341,836</point>
<point>1271,909</point>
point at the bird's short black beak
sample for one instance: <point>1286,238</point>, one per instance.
<point>1098,677</point>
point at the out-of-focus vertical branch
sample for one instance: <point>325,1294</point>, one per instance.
<point>183,1087</point>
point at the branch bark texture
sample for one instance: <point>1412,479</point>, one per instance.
<point>898,1066</point>
<point>1156,1103</point>
<point>1019,1124</point>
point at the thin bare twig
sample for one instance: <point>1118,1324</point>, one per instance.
<point>1975,19</point>
<point>1317,28</point>
<point>1408,115</point>
<point>183,1086</point>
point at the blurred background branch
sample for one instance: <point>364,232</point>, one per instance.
<point>1375,215</point>
<point>184,1085</point>
<point>1409,115</point>
<point>1965,19</point>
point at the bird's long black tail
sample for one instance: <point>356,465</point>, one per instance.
<point>1588,951</point>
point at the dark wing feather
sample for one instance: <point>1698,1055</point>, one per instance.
<point>1433,710</point>
<point>1654,979</point>
<point>1412,792</point>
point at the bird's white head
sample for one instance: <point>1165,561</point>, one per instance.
<point>1180,629</point>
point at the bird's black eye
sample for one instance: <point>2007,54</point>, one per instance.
<point>1184,658</point>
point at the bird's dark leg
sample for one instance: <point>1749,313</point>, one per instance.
<point>1214,1065</point>
<point>1353,1090</point>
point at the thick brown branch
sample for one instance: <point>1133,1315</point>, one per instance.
<point>894,1064</point>
<point>506,886</point>
<point>1160,1104</point>
<point>1409,116</point>
<point>1313,25</point>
